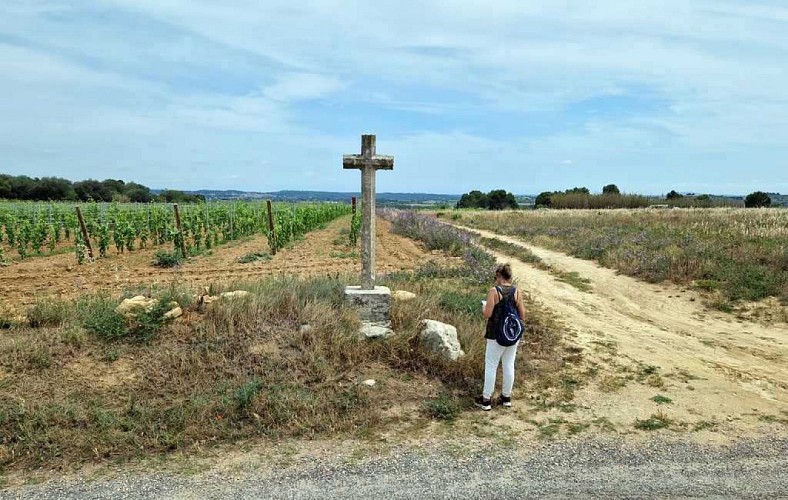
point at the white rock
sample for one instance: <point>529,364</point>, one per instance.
<point>441,339</point>
<point>173,313</point>
<point>305,329</point>
<point>369,382</point>
<point>403,295</point>
<point>376,330</point>
<point>238,294</point>
<point>135,304</point>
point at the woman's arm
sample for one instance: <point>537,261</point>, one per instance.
<point>492,299</point>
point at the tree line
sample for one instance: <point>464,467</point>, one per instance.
<point>611,197</point>
<point>22,187</point>
<point>497,199</point>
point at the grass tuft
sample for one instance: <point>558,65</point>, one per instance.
<point>656,421</point>
<point>660,399</point>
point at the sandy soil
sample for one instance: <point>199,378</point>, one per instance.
<point>714,367</point>
<point>320,252</point>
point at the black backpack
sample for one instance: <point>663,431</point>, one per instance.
<point>510,327</point>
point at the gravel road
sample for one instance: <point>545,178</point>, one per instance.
<point>576,468</point>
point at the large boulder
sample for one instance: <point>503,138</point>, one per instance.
<point>441,339</point>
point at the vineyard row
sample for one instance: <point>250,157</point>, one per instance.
<point>50,227</point>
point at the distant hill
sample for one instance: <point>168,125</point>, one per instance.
<point>390,199</point>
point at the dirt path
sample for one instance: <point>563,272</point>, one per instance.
<point>713,367</point>
<point>321,252</point>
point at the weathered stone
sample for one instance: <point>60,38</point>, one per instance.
<point>369,382</point>
<point>305,329</point>
<point>368,162</point>
<point>373,331</point>
<point>129,307</point>
<point>238,294</point>
<point>441,339</point>
<point>373,306</point>
<point>403,296</point>
<point>173,313</point>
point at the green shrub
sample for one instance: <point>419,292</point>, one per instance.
<point>245,394</point>
<point>164,258</point>
<point>100,319</point>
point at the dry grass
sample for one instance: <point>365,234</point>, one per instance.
<point>734,254</point>
<point>238,369</point>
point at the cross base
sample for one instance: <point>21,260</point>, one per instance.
<point>373,306</point>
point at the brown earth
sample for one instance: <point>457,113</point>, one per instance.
<point>321,252</point>
<point>640,340</point>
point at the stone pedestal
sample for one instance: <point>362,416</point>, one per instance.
<point>374,307</point>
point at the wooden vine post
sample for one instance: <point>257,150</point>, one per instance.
<point>353,204</point>
<point>271,226</point>
<point>181,239</point>
<point>85,235</point>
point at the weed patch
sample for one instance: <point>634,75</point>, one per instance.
<point>656,421</point>
<point>445,407</point>
<point>662,400</point>
<point>50,312</point>
<point>254,257</point>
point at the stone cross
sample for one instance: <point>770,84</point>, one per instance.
<point>368,162</point>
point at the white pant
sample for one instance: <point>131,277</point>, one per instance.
<point>495,354</point>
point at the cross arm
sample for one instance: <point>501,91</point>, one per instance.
<point>378,162</point>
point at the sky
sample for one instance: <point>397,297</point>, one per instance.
<point>521,95</point>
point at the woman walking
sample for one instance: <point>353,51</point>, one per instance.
<point>495,353</point>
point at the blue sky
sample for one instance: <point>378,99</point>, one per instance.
<point>526,96</point>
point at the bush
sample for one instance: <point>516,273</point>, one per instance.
<point>543,200</point>
<point>757,199</point>
<point>164,258</point>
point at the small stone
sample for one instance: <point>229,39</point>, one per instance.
<point>238,294</point>
<point>403,296</point>
<point>369,382</point>
<point>305,329</point>
<point>173,313</point>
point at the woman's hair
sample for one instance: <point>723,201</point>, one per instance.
<point>504,271</point>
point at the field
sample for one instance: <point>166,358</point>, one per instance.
<point>604,353</point>
<point>737,255</point>
<point>38,228</point>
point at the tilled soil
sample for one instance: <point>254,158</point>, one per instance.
<point>322,252</point>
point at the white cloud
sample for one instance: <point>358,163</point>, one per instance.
<point>302,86</point>
<point>232,82</point>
